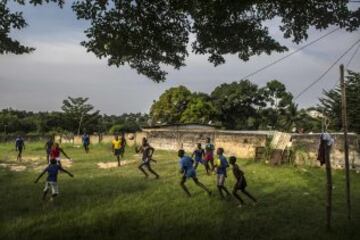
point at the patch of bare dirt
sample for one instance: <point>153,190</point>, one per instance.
<point>13,167</point>
<point>108,165</point>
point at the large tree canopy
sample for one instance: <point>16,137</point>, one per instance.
<point>147,34</point>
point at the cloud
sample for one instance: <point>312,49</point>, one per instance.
<point>60,67</point>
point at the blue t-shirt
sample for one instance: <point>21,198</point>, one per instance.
<point>222,165</point>
<point>85,139</point>
<point>53,170</point>
<point>186,165</point>
<point>19,143</point>
<point>198,154</point>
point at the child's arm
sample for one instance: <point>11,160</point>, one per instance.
<point>41,174</point>
<point>62,151</point>
<point>65,171</point>
<point>193,154</point>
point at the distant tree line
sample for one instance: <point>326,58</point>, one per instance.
<point>240,105</point>
<point>77,117</point>
<point>243,105</point>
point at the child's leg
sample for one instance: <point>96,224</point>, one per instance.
<point>142,170</point>
<point>201,185</point>
<point>237,196</point>
<point>212,163</point>
<point>249,195</point>
<point>118,159</point>
<point>206,164</point>
<point>196,164</point>
<point>183,186</point>
<point>151,170</point>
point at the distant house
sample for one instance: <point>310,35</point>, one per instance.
<point>315,114</point>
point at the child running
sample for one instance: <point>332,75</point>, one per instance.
<point>55,153</point>
<point>188,171</point>
<point>240,182</point>
<point>86,142</point>
<point>147,152</point>
<point>116,148</point>
<point>123,144</point>
<point>199,154</point>
<point>209,155</point>
<point>51,181</point>
<point>221,165</point>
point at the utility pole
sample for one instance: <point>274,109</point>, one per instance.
<point>346,143</point>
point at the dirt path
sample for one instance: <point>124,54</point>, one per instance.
<point>106,165</point>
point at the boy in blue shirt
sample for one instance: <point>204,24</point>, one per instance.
<point>86,142</point>
<point>19,147</point>
<point>199,154</point>
<point>221,165</point>
<point>188,171</point>
<point>51,182</point>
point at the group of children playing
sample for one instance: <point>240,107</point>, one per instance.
<point>188,166</point>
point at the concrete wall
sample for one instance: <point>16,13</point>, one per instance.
<point>239,143</point>
<point>242,144</point>
<point>305,148</point>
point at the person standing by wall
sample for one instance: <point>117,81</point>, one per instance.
<point>209,156</point>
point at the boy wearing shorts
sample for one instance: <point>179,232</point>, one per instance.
<point>199,154</point>
<point>188,171</point>
<point>221,166</point>
<point>209,155</point>
<point>116,148</point>
<point>240,182</point>
<point>147,152</point>
<point>51,181</point>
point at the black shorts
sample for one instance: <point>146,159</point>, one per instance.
<point>20,149</point>
<point>240,184</point>
<point>117,152</point>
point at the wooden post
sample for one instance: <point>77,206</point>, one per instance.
<point>346,143</point>
<point>327,149</point>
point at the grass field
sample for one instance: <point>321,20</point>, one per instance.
<point>119,203</point>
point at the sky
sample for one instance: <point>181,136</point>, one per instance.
<point>60,67</point>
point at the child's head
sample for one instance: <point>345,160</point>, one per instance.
<point>232,160</point>
<point>199,145</point>
<point>181,153</point>
<point>220,151</point>
<point>53,161</point>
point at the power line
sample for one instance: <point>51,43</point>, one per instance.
<point>323,75</point>
<point>352,56</point>
<point>348,63</point>
<point>290,54</point>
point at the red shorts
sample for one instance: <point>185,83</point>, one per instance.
<point>209,157</point>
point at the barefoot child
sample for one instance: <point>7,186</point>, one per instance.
<point>209,155</point>
<point>19,147</point>
<point>221,165</point>
<point>116,148</point>
<point>86,142</point>
<point>240,181</point>
<point>55,153</point>
<point>147,152</point>
<point>51,181</point>
<point>48,146</point>
<point>188,171</point>
<point>199,154</point>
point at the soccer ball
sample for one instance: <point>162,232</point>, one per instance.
<point>131,136</point>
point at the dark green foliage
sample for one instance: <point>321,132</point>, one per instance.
<point>330,104</point>
<point>147,34</point>
<point>237,104</point>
